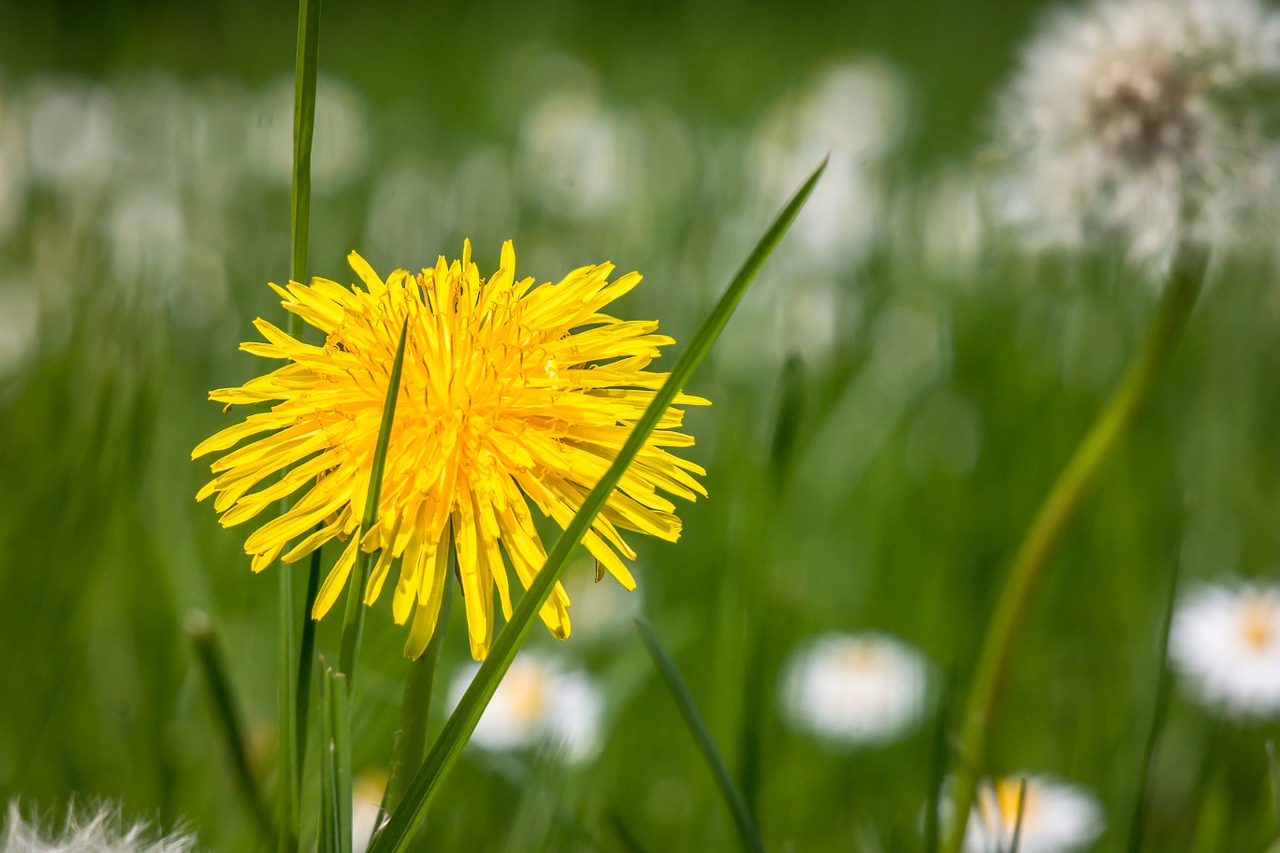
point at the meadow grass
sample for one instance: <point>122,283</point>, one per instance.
<point>883,427</point>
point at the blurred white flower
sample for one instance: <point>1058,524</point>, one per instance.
<point>951,223</point>
<point>539,701</point>
<point>19,325</point>
<point>851,689</point>
<point>13,166</point>
<point>578,159</point>
<point>1128,116</point>
<point>103,831</point>
<point>366,808</point>
<point>408,208</point>
<point>146,236</point>
<point>1225,643</point>
<point>340,145</point>
<point>71,135</point>
<point>855,112</point>
<point>1056,817</point>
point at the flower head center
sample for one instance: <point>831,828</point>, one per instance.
<point>1258,621</point>
<point>526,691</point>
<point>1143,113</point>
<point>1007,794</point>
<point>860,659</point>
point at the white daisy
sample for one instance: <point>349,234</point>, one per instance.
<point>102,831</point>
<point>1225,643</point>
<point>366,808</point>
<point>1056,816</point>
<point>851,689</point>
<point>539,701</point>
<point>1129,115</point>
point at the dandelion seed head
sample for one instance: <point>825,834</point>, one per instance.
<point>851,689</point>
<point>1129,121</point>
<point>101,831</point>
<point>1224,642</point>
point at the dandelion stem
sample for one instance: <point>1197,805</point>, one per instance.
<point>205,643</point>
<point>1051,520</point>
<point>411,740</point>
<point>292,699</point>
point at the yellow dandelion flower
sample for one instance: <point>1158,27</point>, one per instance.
<point>510,394</point>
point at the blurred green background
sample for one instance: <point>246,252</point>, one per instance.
<point>144,163</point>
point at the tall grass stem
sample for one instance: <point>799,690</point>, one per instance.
<point>291,700</point>
<point>1059,507</point>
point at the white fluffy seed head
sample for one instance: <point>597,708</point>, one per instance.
<point>1138,122</point>
<point>1224,642</point>
<point>102,830</point>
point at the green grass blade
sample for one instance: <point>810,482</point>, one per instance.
<point>1016,842</point>
<point>306,656</point>
<point>626,838</point>
<point>292,701</point>
<point>353,619</point>
<point>287,700</point>
<point>328,839</point>
<point>1160,709</point>
<point>937,767</point>
<point>698,728</point>
<point>463,720</point>
<point>204,641</point>
<point>304,124</point>
<point>339,741</point>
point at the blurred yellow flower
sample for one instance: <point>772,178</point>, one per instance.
<point>510,393</point>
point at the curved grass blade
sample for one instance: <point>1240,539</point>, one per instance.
<point>209,653</point>
<point>294,695</point>
<point>689,708</point>
<point>463,720</point>
<point>353,619</point>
